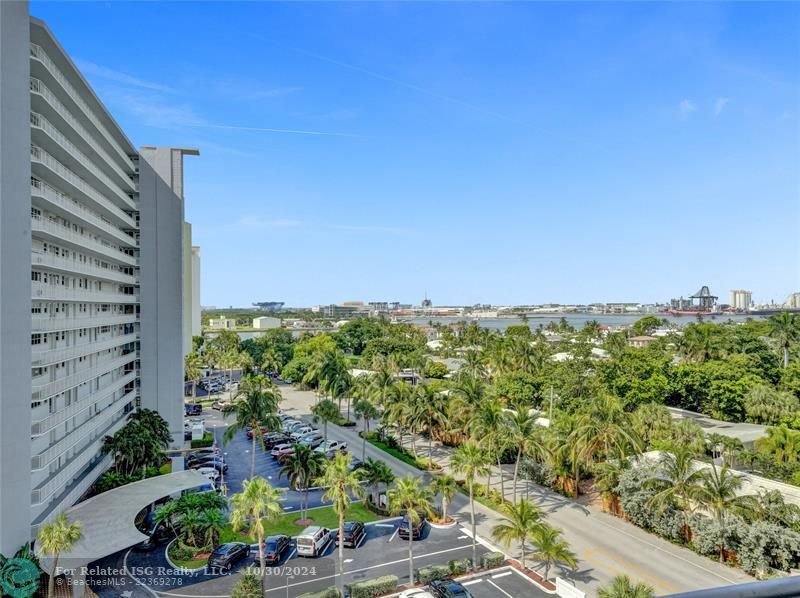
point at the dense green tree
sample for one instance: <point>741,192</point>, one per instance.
<point>225,341</point>
<point>646,325</point>
<point>355,334</point>
<point>636,376</point>
<point>376,473</point>
<point>327,411</point>
<point>784,330</point>
<point>677,480</point>
<point>766,405</point>
<point>434,369</point>
<point>517,387</point>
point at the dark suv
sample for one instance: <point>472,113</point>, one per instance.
<point>415,528</point>
<point>446,588</point>
<point>274,547</point>
<point>226,556</point>
<point>354,531</point>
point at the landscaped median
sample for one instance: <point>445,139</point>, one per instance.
<point>389,445</point>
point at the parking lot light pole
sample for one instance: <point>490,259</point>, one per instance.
<point>288,577</point>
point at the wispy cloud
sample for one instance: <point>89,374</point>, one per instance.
<point>254,222</point>
<point>249,91</point>
<point>95,70</point>
<point>260,223</point>
<point>272,130</point>
<point>686,107</point>
<point>720,104</point>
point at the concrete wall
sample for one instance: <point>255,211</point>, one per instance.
<point>187,287</point>
<point>161,284</point>
<point>197,328</point>
<point>15,277</point>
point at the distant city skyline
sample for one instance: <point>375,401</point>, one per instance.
<point>480,152</point>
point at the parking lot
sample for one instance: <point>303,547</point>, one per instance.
<point>506,582</point>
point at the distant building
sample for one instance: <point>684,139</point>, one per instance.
<point>640,341</point>
<point>269,306</point>
<point>741,300</point>
<point>792,301</point>
<point>344,310</point>
<point>265,322</point>
<point>222,323</point>
<point>427,303</point>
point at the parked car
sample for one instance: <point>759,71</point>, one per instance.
<point>274,438</point>
<point>274,547</point>
<point>298,433</point>
<point>221,405</point>
<point>312,440</point>
<point>356,463</point>
<point>210,472</point>
<point>290,425</point>
<point>212,450</point>
<point>263,430</point>
<point>159,535</point>
<point>192,409</point>
<point>217,464</point>
<point>416,529</point>
<point>312,541</point>
<point>281,450</point>
<point>331,446</point>
<point>226,556</point>
<point>446,588</point>
<point>193,460</point>
<point>354,532</point>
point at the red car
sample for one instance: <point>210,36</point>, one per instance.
<point>264,430</point>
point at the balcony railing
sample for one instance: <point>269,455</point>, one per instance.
<point>52,323</point>
<point>51,421</point>
<point>79,210</point>
<point>38,53</point>
<point>46,357</point>
<point>70,265</point>
<point>38,87</point>
<point>53,292</point>
<point>62,233</point>
<point>44,390</point>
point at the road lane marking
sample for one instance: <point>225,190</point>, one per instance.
<point>383,525</point>
<point>393,535</point>
<point>638,572</point>
<point>499,588</point>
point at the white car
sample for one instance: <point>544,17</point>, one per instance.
<point>211,473</point>
<point>302,431</point>
<point>331,446</point>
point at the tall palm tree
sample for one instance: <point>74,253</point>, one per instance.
<point>429,409</point>
<point>550,548</point>
<point>256,503</point>
<point>606,478</point>
<point>193,370</point>
<point>54,538</point>
<point>376,472</point>
<point>677,480</point>
<point>366,410</point>
<point>326,410</point>
<point>784,329</point>
<point>524,433</point>
<point>487,426</point>
<point>229,361</point>
<point>520,523</point>
<point>341,484</point>
<point>301,468</point>
<point>256,405</point>
<point>470,460</point>
<point>271,361</point>
<point>445,486</point>
<point>475,365</point>
<point>717,494</point>
<point>409,497</point>
<point>782,443</point>
<point>623,587</point>
<point>397,412</point>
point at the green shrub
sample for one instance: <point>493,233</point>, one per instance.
<point>329,593</point>
<point>205,442</point>
<point>248,586</point>
<point>459,566</point>
<point>373,587</point>
<point>492,560</point>
<point>432,572</point>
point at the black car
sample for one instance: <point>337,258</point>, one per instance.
<point>275,438</point>
<point>217,464</point>
<point>416,528</point>
<point>446,588</point>
<point>160,535</point>
<point>226,556</point>
<point>354,531</point>
<point>193,409</point>
<point>274,547</point>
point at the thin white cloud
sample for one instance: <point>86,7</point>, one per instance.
<point>95,70</point>
<point>720,104</point>
<point>271,130</point>
<point>686,107</point>
<point>260,223</point>
<point>254,222</point>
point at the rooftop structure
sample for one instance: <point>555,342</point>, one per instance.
<point>747,433</point>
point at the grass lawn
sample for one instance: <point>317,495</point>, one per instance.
<point>196,563</point>
<point>324,516</point>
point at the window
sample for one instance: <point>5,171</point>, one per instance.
<point>36,339</point>
<point>36,213</point>
<point>36,276</point>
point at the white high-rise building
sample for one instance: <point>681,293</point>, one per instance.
<point>792,301</point>
<point>90,279</point>
<point>741,300</point>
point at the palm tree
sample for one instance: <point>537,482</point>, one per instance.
<point>341,483</point>
<point>376,472</point>
<point>256,405</point>
<point>326,410</point>
<point>429,406</point>
<point>193,370</point>
<point>445,486</point>
<point>522,431</point>
<point>475,365</point>
<point>229,361</point>
<point>271,361</point>
<point>784,329</point>
<point>717,494</point>
<point>606,478</point>
<point>470,460</point>
<point>677,480</point>
<point>782,443</point>
<point>210,523</point>
<point>397,412</point>
<point>366,410</point>
<point>623,587</point>
<point>550,548</point>
<point>256,503</point>
<point>301,468</point>
<point>521,522</point>
<point>245,362</point>
<point>487,425</point>
<point>409,497</point>
<point>58,536</point>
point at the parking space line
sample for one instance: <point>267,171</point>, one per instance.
<point>471,582</point>
<point>393,535</point>
<point>501,574</point>
<point>499,588</point>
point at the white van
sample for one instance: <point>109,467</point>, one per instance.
<point>312,541</point>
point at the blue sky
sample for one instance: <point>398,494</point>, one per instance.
<point>497,153</point>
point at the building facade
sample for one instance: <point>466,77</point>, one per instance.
<point>792,301</point>
<point>741,300</point>
<point>197,328</point>
<point>265,322</point>
<point>90,236</point>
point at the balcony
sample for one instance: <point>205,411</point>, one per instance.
<point>38,88</point>
<point>51,421</point>
<point>38,54</point>
<point>58,232</point>
<point>48,389</point>
<point>71,266</point>
<point>75,209</point>
<point>54,292</point>
<point>52,323</point>
<point>46,357</point>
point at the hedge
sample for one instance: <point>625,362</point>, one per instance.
<point>431,573</point>
<point>459,566</point>
<point>205,442</point>
<point>373,587</point>
<point>493,559</point>
<point>329,593</point>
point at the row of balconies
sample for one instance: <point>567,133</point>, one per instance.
<point>38,87</point>
<point>73,266</point>
<point>38,54</point>
<point>78,210</point>
<point>58,292</point>
<point>48,356</point>
<point>44,389</point>
<point>77,158</point>
<point>43,426</point>
<point>78,241</point>
<point>56,322</point>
